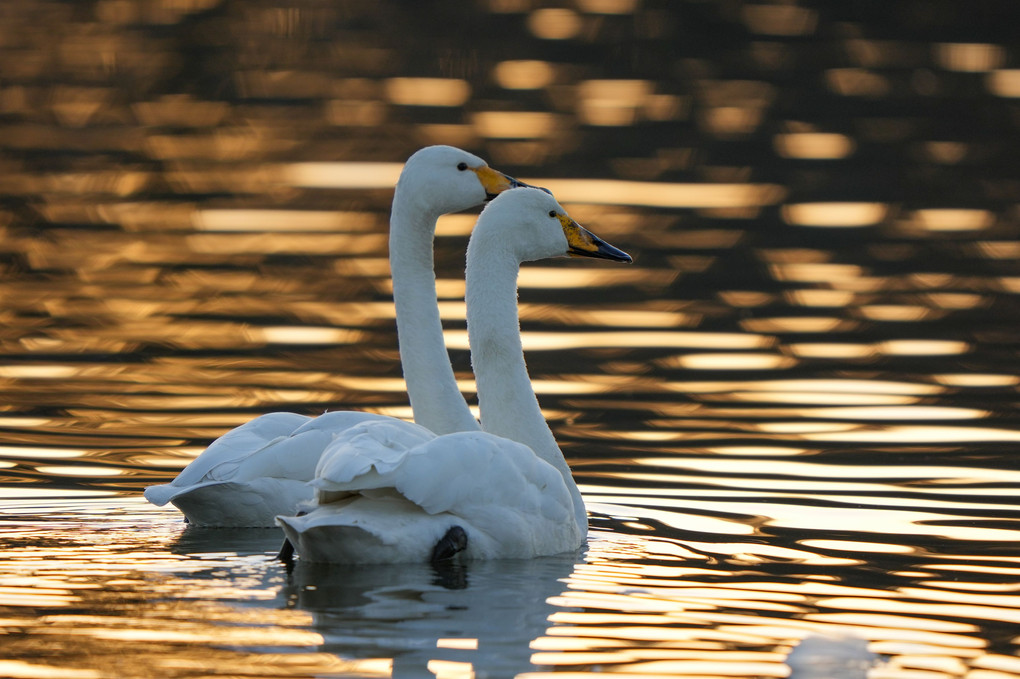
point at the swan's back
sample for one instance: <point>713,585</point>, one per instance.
<point>225,455</point>
<point>388,492</point>
<point>256,471</point>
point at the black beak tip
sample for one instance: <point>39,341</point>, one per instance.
<point>517,184</point>
<point>611,253</point>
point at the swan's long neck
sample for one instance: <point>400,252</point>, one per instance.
<point>435,399</point>
<point>509,407</point>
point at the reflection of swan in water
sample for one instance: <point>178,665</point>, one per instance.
<point>235,542</point>
<point>232,566</point>
<point>260,469</point>
<point>418,615</point>
<point>395,492</point>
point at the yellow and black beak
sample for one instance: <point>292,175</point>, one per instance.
<point>583,243</point>
<point>495,182</point>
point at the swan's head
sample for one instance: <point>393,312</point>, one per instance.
<point>533,226</point>
<point>447,179</point>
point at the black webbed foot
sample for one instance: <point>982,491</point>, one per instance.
<point>450,544</point>
<point>286,553</point>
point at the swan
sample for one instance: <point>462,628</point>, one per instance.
<point>261,469</point>
<point>391,491</point>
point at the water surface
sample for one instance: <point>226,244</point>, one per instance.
<point>794,417</point>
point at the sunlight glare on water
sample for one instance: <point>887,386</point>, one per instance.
<point>792,418</point>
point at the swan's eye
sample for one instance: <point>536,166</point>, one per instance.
<point>552,213</point>
<point>461,166</point>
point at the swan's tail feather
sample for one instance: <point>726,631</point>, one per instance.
<point>336,544</point>
<point>161,494</point>
<point>369,530</point>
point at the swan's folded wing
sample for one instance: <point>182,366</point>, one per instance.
<point>221,459</point>
<point>366,455</point>
<point>338,421</point>
<point>456,473</point>
<point>291,457</point>
<point>471,472</point>
<point>297,455</point>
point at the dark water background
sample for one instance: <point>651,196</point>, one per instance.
<point>794,415</point>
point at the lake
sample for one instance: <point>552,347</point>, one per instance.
<point>793,419</point>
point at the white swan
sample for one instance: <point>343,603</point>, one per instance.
<point>261,469</point>
<point>395,492</point>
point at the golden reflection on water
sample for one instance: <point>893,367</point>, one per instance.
<point>835,214</point>
<point>791,417</point>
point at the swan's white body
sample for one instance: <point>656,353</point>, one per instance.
<point>261,469</point>
<point>389,492</point>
